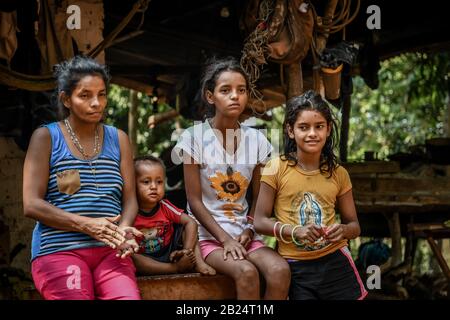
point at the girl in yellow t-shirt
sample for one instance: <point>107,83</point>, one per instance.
<point>303,186</point>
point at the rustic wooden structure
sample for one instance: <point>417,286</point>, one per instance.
<point>162,55</point>
<point>159,46</point>
<point>393,202</point>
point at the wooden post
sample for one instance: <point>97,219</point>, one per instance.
<point>447,124</point>
<point>437,253</point>
<point>295,80</point>
<point>321,42</point>
<point>345,126</point>
<point>396,238</point>
<point>132,122</point>
<point>327,17</point>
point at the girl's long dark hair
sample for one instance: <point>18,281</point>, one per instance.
<point>312,101</point>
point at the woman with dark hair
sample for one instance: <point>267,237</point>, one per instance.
<point>78,183</point>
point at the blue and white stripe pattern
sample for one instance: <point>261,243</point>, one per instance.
<point>89,201</point>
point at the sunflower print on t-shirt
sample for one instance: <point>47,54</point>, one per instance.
<point>230,187</point>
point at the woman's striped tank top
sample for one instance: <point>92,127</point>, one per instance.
<point>73,187</point>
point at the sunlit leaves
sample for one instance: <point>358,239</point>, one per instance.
<point>408,107</point>
<point>150,141</point>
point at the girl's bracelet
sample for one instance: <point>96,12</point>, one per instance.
<point>281,233</point>
<point>275,229</point>
<point>293,236</point>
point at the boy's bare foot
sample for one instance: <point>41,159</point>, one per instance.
<point>185,264</point>
<point>191,256</point>
<point>177,254</point>
<point>204,268</point>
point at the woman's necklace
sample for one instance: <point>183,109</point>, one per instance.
<point>80,148</point>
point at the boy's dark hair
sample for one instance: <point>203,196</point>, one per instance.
<point>68,73</point>
<point>149,158</point>
<point>212,69</point>
<point>312,101</point>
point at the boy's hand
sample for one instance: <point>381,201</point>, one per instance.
<point>335,232</point>
<point>132,232</point>
<point>127,248</point>
<point>130,245</point>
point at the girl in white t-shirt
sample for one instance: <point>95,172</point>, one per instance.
<point>221,160</point>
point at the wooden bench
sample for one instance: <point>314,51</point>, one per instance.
<point>430,232</point>
<point>189,286</point>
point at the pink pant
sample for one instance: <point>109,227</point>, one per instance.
<point>208,246</point>
<point>85,274</point>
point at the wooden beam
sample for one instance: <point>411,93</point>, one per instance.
<point>132,84</point>
<point>171,47</point>
<point>372,167</point>
<point>441,260</point>
<point>26,82</point>
<point>156,119</point>
<point>133,122</point>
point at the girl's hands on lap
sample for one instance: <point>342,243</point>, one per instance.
<point>235,248</point>
<point>245,237</point>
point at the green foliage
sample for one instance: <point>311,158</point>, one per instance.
<point>408,107</point>
<point>149,141</point>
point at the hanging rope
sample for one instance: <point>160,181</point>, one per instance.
<point>256,50</point>
<point>327,25</point>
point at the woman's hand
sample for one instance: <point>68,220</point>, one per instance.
<point>105,230</point>
<point>310,232</point>
<point>336,232</point>
<point>235,248</point>
<point>245,237</point>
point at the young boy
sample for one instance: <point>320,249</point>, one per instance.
<point>170,236</point>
